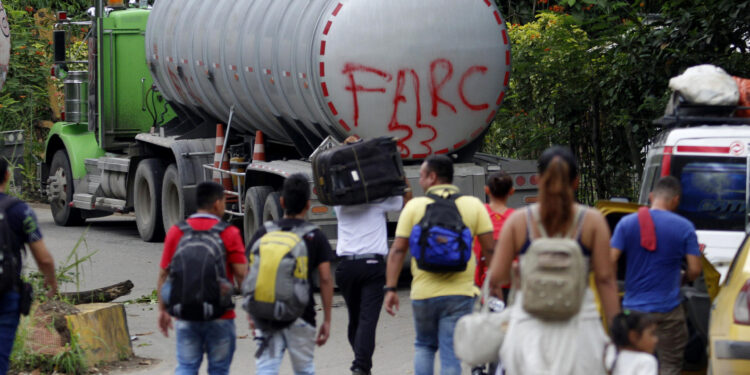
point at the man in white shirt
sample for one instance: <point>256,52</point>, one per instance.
<point>362,248</point>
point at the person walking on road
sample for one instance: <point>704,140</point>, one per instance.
<point>214,337</point>
<point>573,341</point>
<point>18,227</point>
<point>655,242</point>
<point>439,298</point>
<point>362,248</point>
<point>297,336</point>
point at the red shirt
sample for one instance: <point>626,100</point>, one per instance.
<point>497,224</point>
<point>231,238</point>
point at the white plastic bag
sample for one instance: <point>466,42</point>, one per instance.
<point>706,85</point>
<point>478,336</point>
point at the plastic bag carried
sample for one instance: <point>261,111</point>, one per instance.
<point>706,85</point>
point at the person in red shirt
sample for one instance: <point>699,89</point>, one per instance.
<point>499,188</point>
<point>215,338</point>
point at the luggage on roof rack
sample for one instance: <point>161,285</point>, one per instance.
<point>681,113</point>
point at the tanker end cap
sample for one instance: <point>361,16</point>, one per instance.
<point>435,82</point>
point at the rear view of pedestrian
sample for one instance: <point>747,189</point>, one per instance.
<point>278,290</point>
<point>362,248</point>
<point>655,243</point>
<point>202,259</point>
<point>438,230</point>
<point>634,338</point>
<point>555,327</point>
<point>499,188</point>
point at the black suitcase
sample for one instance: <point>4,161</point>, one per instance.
<point>359,173</point>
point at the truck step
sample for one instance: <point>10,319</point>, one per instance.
<point>92,167</point>
<point>114,164</point>
<point>90,202</point>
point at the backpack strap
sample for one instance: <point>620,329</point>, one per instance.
<point>271,226</point>
<point>578,221</point>
<point>184,227</point>
<point>304,229</point>
<point>449,197</point>
<point>575,227</point>
<point>220,227</point>
<point>8,202</point>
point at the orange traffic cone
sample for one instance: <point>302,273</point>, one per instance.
<point>259,150</point>
<point>223,178</point>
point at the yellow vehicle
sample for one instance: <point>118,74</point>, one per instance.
<point>729,329</point>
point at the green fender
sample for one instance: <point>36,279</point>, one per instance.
<point>79,142</point>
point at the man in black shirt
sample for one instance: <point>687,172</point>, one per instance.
<point>299,337</point>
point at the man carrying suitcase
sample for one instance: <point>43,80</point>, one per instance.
<point>362,247</point>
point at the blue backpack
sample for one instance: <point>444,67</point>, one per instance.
<point>441,242</point>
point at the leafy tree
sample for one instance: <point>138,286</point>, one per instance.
<point>597,77</point>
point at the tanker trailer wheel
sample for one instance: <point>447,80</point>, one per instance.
<point>147,199</point>
<point>60,191</point>
<point>272,209</point>
<point>255,199</point>
<point>172,198</point>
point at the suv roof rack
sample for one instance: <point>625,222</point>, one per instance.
<point>686,115</point>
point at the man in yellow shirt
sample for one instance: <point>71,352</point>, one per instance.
<point>439,299</point>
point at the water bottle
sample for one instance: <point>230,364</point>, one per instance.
<point>496,305</point>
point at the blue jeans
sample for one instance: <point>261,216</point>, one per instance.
<point>9,318</point>
<point>299,340</point>
<point>216,338</point>
<point>434,320</point>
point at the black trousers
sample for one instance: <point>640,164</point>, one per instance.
<point>361,283</point>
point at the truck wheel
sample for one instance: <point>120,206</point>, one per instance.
<point>147,199</point>
<point>255,199</point>
<point>172,198</point>
<point>272,209</point>
<point>60,191</point>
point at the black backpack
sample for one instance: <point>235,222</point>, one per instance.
<point>441,242</point>
<point>199,287</point>
<point>9,249</point>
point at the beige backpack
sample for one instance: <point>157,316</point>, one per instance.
<point>553,270</point>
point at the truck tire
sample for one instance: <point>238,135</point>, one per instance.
<point>255,199</point>
<point>147,199</point>
<point>172,198</point>
<point>61,191</point>
<point>272,209</point>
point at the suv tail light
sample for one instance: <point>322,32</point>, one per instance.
<point>742,305</point>
<point>666,161</point>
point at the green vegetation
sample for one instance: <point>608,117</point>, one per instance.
<point>593,74</point>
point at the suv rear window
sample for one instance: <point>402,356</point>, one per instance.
<point>713,191</point>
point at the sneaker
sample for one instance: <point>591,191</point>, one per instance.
<point>359,371</point>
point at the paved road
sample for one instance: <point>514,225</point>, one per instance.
<point>121,255</point>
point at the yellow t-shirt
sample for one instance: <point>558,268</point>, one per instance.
<point>430,284</point>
